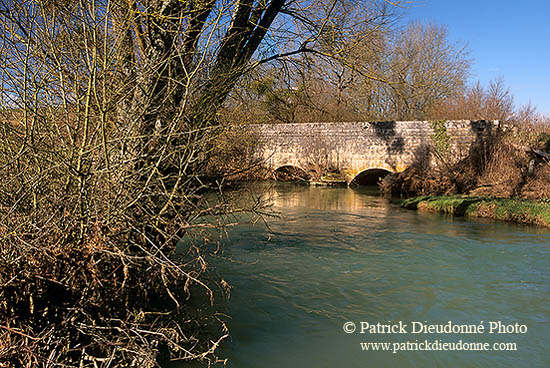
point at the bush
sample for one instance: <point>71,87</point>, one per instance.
<point>89,274</point>
<point>498,168</point>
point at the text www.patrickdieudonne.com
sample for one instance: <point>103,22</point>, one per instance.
<point>437,345</point>
<point>496,328</point>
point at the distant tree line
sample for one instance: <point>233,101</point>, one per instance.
<point>392,73</point>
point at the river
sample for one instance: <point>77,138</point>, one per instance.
<point>338,255</point>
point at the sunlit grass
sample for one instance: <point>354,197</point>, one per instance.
<point>510,210</point>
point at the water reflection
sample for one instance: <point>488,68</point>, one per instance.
<point>322,198</point>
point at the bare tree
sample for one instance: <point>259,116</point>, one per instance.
<point>379,73</point>
<point>319,84</point>
<point>423,68</point>
<point>493,102</point>
<point>108,121</point>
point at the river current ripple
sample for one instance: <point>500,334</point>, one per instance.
<point>338,255</point>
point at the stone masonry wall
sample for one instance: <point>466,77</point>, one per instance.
<point>354,147</point>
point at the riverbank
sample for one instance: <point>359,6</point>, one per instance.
<point>520,211</point>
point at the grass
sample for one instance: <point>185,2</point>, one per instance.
<point>510,210</point>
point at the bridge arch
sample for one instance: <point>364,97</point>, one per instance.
<point>290,172</point>
<point>370,176</point>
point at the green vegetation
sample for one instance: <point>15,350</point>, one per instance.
<point>440,137</point>
<point>511,210</point>
<point>450,205</point>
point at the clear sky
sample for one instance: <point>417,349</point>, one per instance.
<point>506,38</point>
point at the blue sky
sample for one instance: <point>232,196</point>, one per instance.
<point>506,38</point>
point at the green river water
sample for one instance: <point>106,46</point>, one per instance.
<point>339,255</point>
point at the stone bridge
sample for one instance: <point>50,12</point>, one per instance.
<point>365,150</point>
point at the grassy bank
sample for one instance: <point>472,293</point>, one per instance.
<point>510,210</point>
